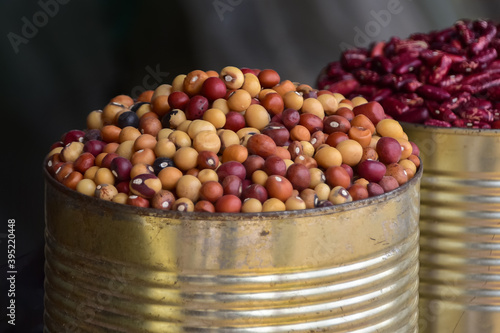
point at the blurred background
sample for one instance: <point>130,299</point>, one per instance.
<point>61,59</point>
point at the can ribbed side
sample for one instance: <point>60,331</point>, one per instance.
<point>460,230</point>
<point>329,271</point>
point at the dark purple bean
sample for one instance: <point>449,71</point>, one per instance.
<point>440,70</point>
<point>494,64</point>
<point>410,46</point>
<point>454,48</point>
<point>465,66</point>
<point>324,82</point>
<point>447,115</point>
<point>381,94</point>
<point>344,87</point>
<point>382,65</point>
<point>444,35</point>
<point>421,36</point>
<point>366,76</point>
<point>410,85</point>
<point>440,113</point>
<point>390,46</point>
<point>430,57</point>
<point>455,57</point>
<point>438,123</point>
<point>407,66</point>
<point>485,56</point>
<point>410,99</point>
<point>388,80</point>
<point>424,73</point>
<point>482,125</point>
<point>485,85</point>
<point>366,91</point>
<point>493,93</point>
<point>479,25</point>
<point>490,32</point>
<point>479,45</point>
<point>456,101</point>
<point>433,93</point>
<point>403,79</point>
<point>351,59</point>
<point>334,69</point>
<point>478,103</point>
<point>450,80</point>
<point>464,32</point>
<point>394,107</point>
<point>475,114</point>
<point>415,115</point>
<point>463,123</point>
<point>479,77</point>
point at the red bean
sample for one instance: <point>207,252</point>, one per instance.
<point>366,76</point>
<point>432,92</point>
<point>450,80</point>
<point>388,150</point>
<point>256,191</point>
<point>231,168</point>
<point>407,66</point>
<point>394,107</point>
<point>475,114</point>
<point>232,184</point>
<point>485,56</point>
<point>464,33</point>
<point>353,58</point>
<point>415,115</point>
<point>436,122</point>
<point>373,110</point>
<point>228,204</point>
<point>440,70</point>
<point>382,65</point>
<point>371,170</point>
<point>344,87</point>
<point>274,165</point>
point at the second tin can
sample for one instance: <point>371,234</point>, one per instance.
<point>460,229</point>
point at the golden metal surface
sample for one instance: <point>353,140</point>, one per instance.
<point>460,227</point>
<point>117,268</point>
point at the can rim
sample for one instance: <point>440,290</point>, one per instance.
<point>154,212</point>
<point>452,130</point>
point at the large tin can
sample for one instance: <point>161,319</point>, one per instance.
<point>460,227</point>
<point>118,268</point>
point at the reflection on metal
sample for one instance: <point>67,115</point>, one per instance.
<point>117,268</point>
<point>460,227</point>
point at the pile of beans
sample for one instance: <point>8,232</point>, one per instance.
<point>241,140</point>
<point>446,78</point>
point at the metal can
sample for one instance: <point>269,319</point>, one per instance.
<point>117,268</point>
<point>459,225</point>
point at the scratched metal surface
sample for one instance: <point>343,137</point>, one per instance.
<point>352,268</point>
<point>459,225</point>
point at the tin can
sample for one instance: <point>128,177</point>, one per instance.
<point>460,227</point>
<point>118,268</point>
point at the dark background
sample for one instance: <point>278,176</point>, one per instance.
<point>82,53</point>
